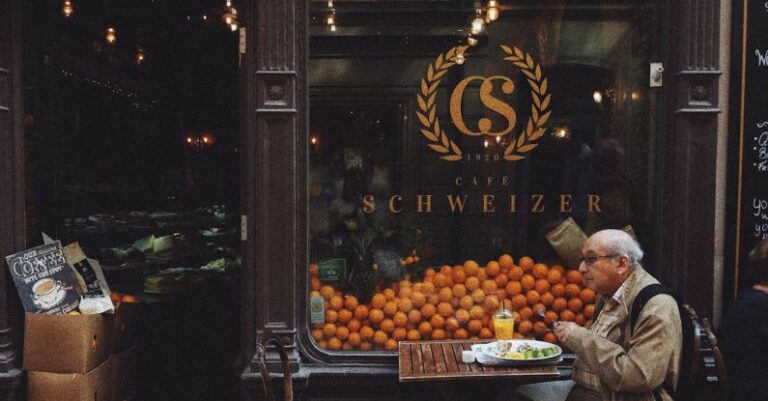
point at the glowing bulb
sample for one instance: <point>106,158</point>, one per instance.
<point>313,140</point>
<point>485,143</point>
<point>330,3</point>
<point>492,14</point>
<point>471,40</point>
<point>140,56</point>
<point>331,20</point>
<point>635,96</point>
<point>478,26</point>
<point>498,138</point>
<point>205,17</point>
<point>233,26</point>
<point>67,9</point>
<point>111,37</point>
<point>597,96</point>
<point>333,28</point>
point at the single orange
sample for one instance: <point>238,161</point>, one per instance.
<point>550,337</point>
<point>354,325</point>
<point>361,312</point>
<point>558,290</point>
<point>414,335</point>
<point>559,305</point>
<point>573,276</point>
<point>400,319</point>
<point>476,312</point>
<point>525,327</point>
<point>481,275</point>
<point>459,290</point>
<point>474,326</point>
<point>354,339</point>
<point>366,346</point>
<point>429,272</point>
<point>351,302</point>
<point>334,344</point>
<point>567,316</point>
<point>438,334</point>
<point>441,280</point>
<point>459,275</point>
<point>428,288</point>
<point>445,294</point>
<point>501,280</point>
<point>405,292</point>
<point>472,283</point>
<point>526,263</point>
<point>513,288</point>
<point>389,294</point>
<point>547,298</point>
<point>331,316</point>
<point>506,261</point>
<point>342,333</point>
<point>540,270</point>
<point>466,302</point>
<point>491,303</point>
<point>418,299</point>
<point>317,334</point>
<point>437,321</point>
<point>315,284</point>
<point>327,291</point>
<point>575,305</point>
<point>461,334</point>
<point>515,273</point>
<point>336,302</point>
<point>462,316</point>
<point>539,329</point>
<point>572,290</point>
<point>587,296</point>
<point>541,286</point>
<point>425,329</point>
<point>589,311</point>
<point>478,296</point>
<point>444,309</point>
<point>390,344</point>
<point>433,299</point>
<point>387,326</point>
<point>526,313</point>
<point>390,308</point>
<point>554,276</point>
<point>485,333</point>
<point>493,268</point>
<point>405,305</point>
<point>489,286</point>
<point>414,316</point>
<point>329,330</point>
<point>428,310</point>
<point>550,317</point>
<point>452,324</point>
<point>471,267</point>
<point>376,316</point>
<point>345,316</point>
<point>528,282</point>
<point>380,337</point>
<point>400,334</point>
<point>519,301</point>
<point>532,297</point>
<point>580,319</point>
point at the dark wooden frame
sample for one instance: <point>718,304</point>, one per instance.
<point>275,198</point>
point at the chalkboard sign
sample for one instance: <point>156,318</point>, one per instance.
<point>752,181</point>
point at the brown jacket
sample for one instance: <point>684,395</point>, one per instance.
<point>624,367</point>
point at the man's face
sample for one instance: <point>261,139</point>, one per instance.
<point>607,270</point>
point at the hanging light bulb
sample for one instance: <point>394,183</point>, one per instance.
<point>472,40</point>
<point>492,13</point>
<point>330,19</point>
<point>597,96</point>
<point>140,56</point>
<point>477,26</point>
<point>111,37</point>
<point>498,138</point>
<point>67,9</point>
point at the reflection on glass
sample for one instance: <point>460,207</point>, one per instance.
<point>446,179</point>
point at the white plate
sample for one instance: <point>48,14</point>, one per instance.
<point>488,354</point>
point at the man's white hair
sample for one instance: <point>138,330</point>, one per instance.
<point>620,243</point>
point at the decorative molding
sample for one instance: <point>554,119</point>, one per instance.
<point>699,92</point>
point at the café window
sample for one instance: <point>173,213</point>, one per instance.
<point>459,153</point>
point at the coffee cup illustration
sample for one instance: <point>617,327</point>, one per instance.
<point>47,292</point>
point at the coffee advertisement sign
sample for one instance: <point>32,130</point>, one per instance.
<point>45,281</point>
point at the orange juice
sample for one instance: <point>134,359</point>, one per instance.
<point>504,328</point>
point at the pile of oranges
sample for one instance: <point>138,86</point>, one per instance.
<point>454,302</point>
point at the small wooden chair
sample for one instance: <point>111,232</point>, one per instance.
<point>265,339</point>
<point>707,365</point>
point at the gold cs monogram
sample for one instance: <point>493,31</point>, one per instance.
<point>488,100</point>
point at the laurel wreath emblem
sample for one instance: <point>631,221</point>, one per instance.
<point>525,141</point>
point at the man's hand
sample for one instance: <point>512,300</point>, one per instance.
<point>563,330</point>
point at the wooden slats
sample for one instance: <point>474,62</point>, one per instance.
<point>441,360</point>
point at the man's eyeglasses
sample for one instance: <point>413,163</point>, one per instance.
<point>590,260</point>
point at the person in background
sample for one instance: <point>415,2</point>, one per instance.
<point>614,364</point>
<point>743,333</point>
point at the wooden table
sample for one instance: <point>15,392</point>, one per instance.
<point>441,360</point>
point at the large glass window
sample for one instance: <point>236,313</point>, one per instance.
<point>457,160</point>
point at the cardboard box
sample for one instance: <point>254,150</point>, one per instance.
<point>124,374</point>
<point>127,320</point>
<point>92,386</point>
<point>67,343</point>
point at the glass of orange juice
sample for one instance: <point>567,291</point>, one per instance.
<point>503,324</point>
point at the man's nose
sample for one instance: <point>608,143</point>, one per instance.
<point>582,267</point>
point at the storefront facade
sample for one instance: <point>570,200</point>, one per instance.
<point>300,77</point>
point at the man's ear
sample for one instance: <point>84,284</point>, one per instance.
<point>624,264</point>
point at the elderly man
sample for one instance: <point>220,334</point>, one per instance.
<point>613,363</point>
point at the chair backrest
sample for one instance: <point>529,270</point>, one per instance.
<point>707,378</point>
<point>264,339</point>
